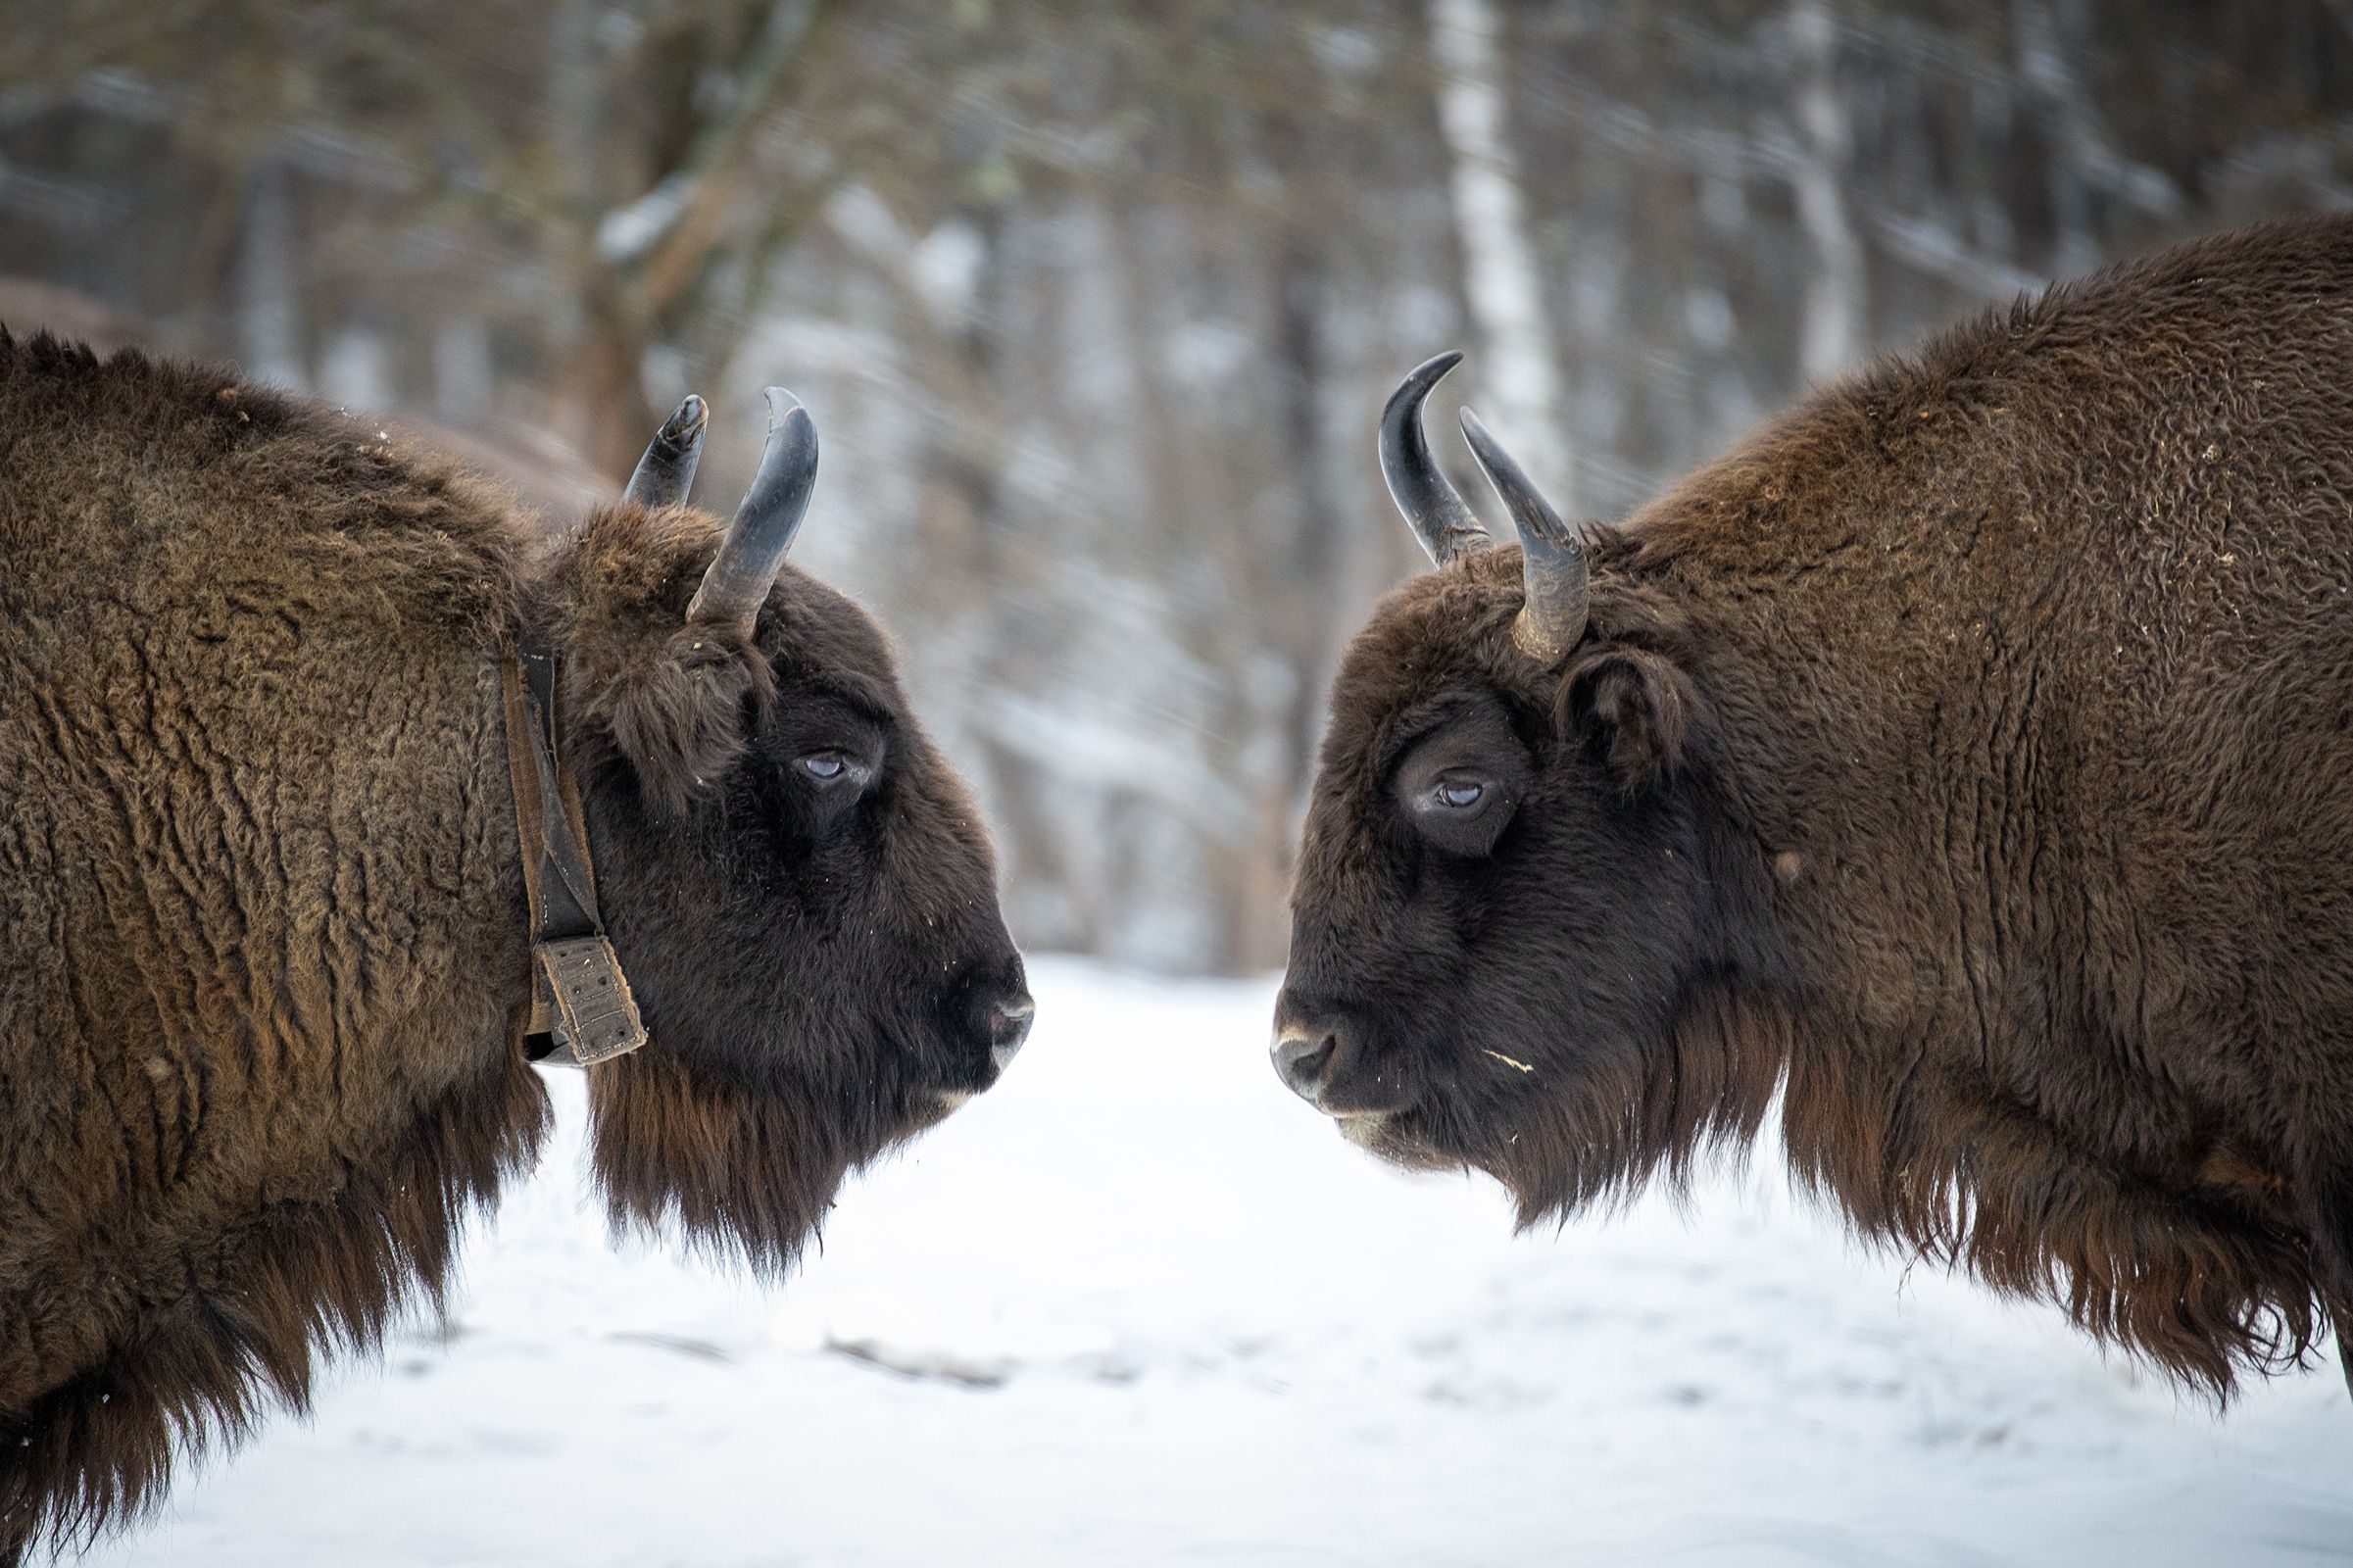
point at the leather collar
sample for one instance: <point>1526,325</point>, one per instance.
<point>580,1009</point>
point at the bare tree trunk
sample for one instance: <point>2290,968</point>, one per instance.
<point>1832,336</point>
<point>1500,278</point>
<point>2043,64</point>
<point>269,292</point>
<point>1305,624</point>
<point>608,381</point>
<point>465,381</point>
<point>637,263</point>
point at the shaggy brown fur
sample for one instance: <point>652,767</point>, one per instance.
<point>1970,754</point>
<point>261,929</point>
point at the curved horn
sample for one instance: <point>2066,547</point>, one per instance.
<point>739,579</point>
<point>1553,553</point>
<point>666,471</point>
<point>1440,517</point>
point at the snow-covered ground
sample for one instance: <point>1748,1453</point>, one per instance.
<point>1144,1307</point>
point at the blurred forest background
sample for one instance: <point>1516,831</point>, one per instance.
<point>1096,304</point>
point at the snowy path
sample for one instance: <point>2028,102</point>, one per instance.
<point>1166,1316</point>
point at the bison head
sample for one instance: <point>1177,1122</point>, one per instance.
<point>1509,896</point>
<point>799,885</point>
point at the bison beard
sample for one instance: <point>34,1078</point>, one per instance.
<point>744,1174</point>
<point>263,936</point>
<point>1964,756</point>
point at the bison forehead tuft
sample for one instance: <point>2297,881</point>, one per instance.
<point>635,567</point>
<point>1435,633</point>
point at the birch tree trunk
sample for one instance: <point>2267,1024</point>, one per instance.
<point>268,296</point>
<point>1831,338</point>
<point>2050,81</point>
<point>1502,283</point>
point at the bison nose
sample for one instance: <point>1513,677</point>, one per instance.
<point>1008,1028</point>
<point>1304,1059</point>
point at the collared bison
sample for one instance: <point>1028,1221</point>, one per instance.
<point>1968,757</point>
<point>267,933</point>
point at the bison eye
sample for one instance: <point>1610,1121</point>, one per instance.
<point>1459,794</point>
<point>825,766</point>
<point>1459,785</point>
<point>1462,811</point>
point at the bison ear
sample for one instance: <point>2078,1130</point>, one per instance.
<point>1635,707</point>
<point>679,713</point>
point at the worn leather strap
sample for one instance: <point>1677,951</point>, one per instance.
<point>580,1004</point>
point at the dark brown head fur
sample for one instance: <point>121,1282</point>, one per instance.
<point>1965,755</point>
<point>821,958</point>
<point>262,932</point>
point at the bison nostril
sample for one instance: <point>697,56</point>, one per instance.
<point>1305,1062</point>
<point>1008,1028</point>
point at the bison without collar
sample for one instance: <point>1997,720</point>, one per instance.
<point>1969,754</point>
<point>262,936</point>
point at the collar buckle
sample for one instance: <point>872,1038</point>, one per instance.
<point>581,999</point>
<point>595,1017</point>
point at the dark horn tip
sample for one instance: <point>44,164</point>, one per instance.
<point>782,406</point>
<point>1553,569</point>
<point>1440,517</point>
<point>666,471</point>
<point>1422,378</point>
<point>683,428</point>
<point>792,436</point>
<point>1529,510</point>
<point>771,513</point>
